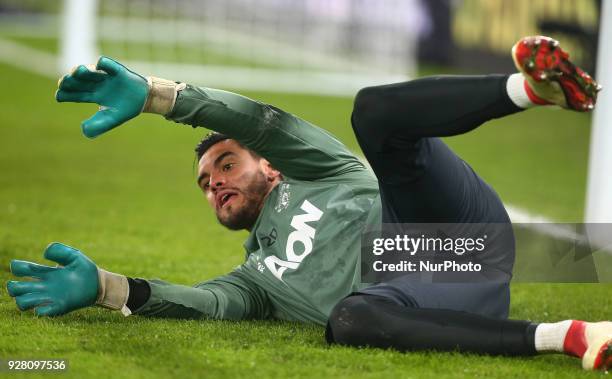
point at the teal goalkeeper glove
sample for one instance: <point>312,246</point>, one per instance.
<point>121,93</point>
<point>76,284</point>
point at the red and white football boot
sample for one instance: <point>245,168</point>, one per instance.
<point>550,77</point>
<point>591,341</point>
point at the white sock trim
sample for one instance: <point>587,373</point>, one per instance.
<point>549,337</point>
<point>515,87</point>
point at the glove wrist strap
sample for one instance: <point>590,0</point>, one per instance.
<point>162,95</point>
<point>113,290</point>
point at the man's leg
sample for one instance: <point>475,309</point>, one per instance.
<point>376,321</point>
<point>393,125</point>
<point>422,181</point>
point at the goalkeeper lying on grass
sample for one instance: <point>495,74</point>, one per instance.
<point>306,200</point>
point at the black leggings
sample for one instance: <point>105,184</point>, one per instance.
<point>421,180</point>
<point>376,321</point>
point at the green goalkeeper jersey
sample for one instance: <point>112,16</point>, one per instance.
<point>303,253</point>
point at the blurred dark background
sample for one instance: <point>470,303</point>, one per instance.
<point>474,35</point>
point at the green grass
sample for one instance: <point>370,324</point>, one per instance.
<point>128,199</point>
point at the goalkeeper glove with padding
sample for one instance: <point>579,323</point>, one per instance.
<point>75,283</point>
<point>121,93</point>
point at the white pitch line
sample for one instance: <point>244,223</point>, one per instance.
<point>542,224</point>
<point>27,58</point>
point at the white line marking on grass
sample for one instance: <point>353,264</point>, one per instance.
<point>27,58</point>
<point>542,224</point>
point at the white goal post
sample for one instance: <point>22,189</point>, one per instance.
<point>599,184</point>
<point>77,43</point>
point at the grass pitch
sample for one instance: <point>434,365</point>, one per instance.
<point>129,201</point>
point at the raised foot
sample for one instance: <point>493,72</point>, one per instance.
<point>552,76</point>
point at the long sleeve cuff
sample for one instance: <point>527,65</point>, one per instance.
<point>140,292</point>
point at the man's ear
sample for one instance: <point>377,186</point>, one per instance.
<point>270,172</point>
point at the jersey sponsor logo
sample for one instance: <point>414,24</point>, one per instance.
<point>299,242</point>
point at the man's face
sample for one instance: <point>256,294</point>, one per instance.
<point>235,183</point>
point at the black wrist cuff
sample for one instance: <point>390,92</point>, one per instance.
<point>140,292</point>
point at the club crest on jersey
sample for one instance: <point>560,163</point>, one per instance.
<point>284,195</point>
<point>299,241</point>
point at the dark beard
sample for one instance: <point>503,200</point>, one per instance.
<point>254,195</point>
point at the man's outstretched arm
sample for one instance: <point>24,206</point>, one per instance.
<point>293,146</point>
<point>77,283</point>
<point>229,297</point>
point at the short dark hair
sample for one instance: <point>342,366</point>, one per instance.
<point>207,142</point>
<point>213,138</point>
